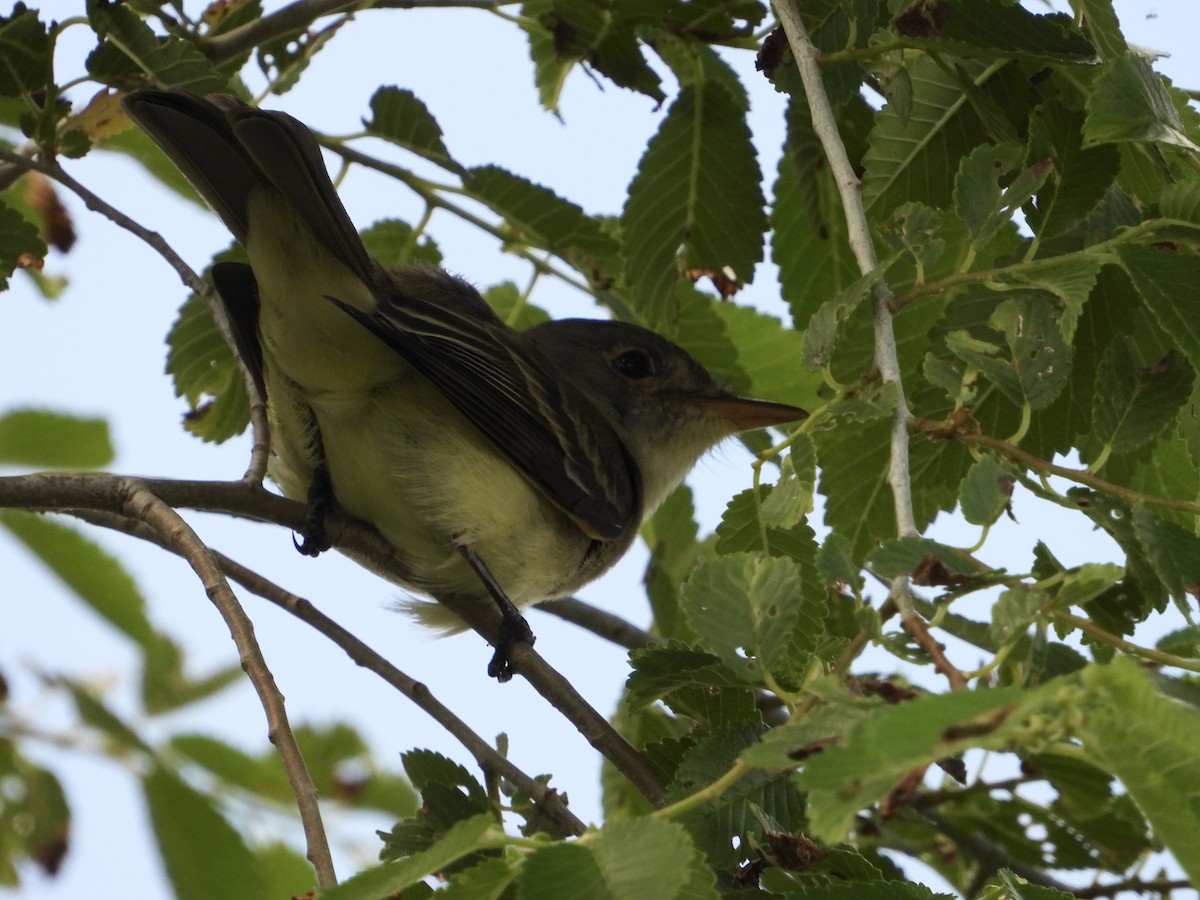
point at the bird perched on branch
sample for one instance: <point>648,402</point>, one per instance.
<point>516,465</point>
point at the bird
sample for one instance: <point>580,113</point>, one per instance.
<point>502,464</point>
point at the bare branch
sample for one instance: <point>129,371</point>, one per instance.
<point>859,235</point>
<point>141,504</point>
<point>604,624</point>
<point>488,759</point>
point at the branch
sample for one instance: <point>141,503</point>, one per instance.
<point>859,236</point>
<point>139,503</point>
<point>599,622</point>
<point>100,491</point>
<point>488,759</point>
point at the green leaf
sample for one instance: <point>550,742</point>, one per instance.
<point>1102,28</point>
<point>1132,406</point>
<point>1033,364</point>
<point>695,203</point>
<point>393,243</point>
<point>1130,102</point>
<point>537,215</point>
<point>917,158</point>
<point>974,28</point>
<point>854,465</point>
<point>1173,551</point>
<point>641,857</point>
<point>35,820</point>
<point>1166,281</point>
<point>485,881</point>
<point>808,228</point>
<point>397,115</point>
<point>737,811</point>
<point>1076,177</point>
<point>1150,743</point>
<point>462,839</point>
<point>20,244</point>
<point>927,561</point>
<point>513,307</point>
<point>191,834</point>
<point>885,890</point>
<point>745,610</point>
<point>826,325</point>
<point>206,374</point>
<point>129,47</point>
<point>985,492</point>
<point>662,669</point>
<point>166,685</point>
<point>25,49</point>
<point>978,198</point>
<point>1181,201</point>
<point>791,500</point>
<point>33,437</point>
<point>861,769</point>
<point>89,571</point>
<point>767,351</point>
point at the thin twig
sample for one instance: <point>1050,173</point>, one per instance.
<point>140,503</point>
<point>859,237</point>
<point>604,624</point>
<point>488,759</point>
<point>914,626</point>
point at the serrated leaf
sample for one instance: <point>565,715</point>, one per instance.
<point>791,500</point>
<point>128,46</point>
<point>206,374</point>
<point>393,243</point>
<point>910,555</point>
<point>986,491</point>
<point>659,670</point>
<point>1085,583</point>
<point>745,610</point>
<point>1132,406</point>
<point>808,229</point>
<point>738,810</point>
<point>1102,28</point>
<point>825,327</point>
<point>893,740</point>
<point>695,203</point>
<point>1166,281</point>
<point>1130,102</point>
<point>462,839</point>
<point>33,437</point>
<point>1181,201</point>
<point>536,214</point>
<point>191,834</point>
<point>88,570</point>
<point>1173,551</point>
<point>978,198</point>
<point>786,746</point>
<point>25,49</point>
<point>1078,177</point>
<point>971,28</point>
<point>1033,363</point>
<point>487,880</point>
<point>399,116</point>
<point>917,159</point>
<point>1150,743</point>
<point>20,244</point>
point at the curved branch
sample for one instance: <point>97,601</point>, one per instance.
<point>140,503</point>
<point>599,622</point>
<point>488,759</point>
<point>100,491</point>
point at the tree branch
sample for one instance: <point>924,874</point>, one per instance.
<point>859,236</point>
<point>138,502</point>
<point>100,491</point>
<point>488,759</point>
<point>599,622</point>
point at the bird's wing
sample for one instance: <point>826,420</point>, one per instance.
<point>505,386</point>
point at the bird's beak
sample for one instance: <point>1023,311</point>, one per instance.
<point>743,414</point>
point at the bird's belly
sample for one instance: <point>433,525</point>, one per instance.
<point>404,460</point>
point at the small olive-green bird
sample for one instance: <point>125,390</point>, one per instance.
<point>512,464</point>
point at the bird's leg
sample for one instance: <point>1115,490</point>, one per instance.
<point>314,539</point>
<point>513,627</point>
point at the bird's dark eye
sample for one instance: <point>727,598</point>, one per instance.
<point>635,364</point>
